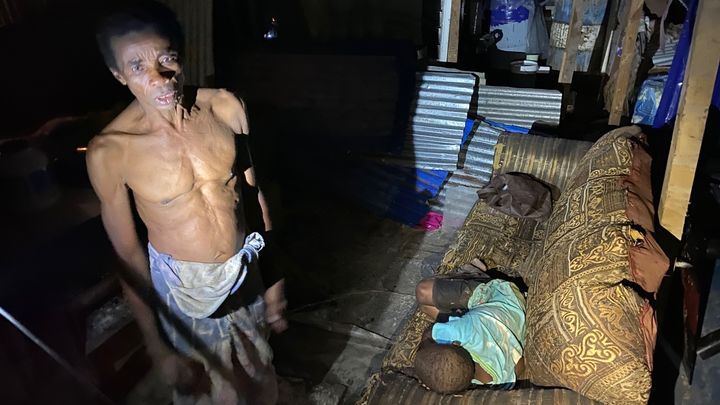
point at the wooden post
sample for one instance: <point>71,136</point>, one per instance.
<point>569,58</point>
<point>632,25</point>
<point>454,34</point>
<point>697,90</point>
<point>610,32</point>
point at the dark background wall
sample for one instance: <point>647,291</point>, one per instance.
<point>51,66</point>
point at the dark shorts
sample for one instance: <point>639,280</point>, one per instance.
<point>450,294</point>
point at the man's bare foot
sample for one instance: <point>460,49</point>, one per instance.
<point>184,374</point>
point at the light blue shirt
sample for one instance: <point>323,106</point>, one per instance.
<point>492,331</point>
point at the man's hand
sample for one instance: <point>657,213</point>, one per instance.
<point>186,375</point>
<point>275,304</point>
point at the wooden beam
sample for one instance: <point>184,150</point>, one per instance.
<point>610,32</point>
<point>622,82</point>
<point>454,32</point>
<point>569,58</point>
<point>700,73</point>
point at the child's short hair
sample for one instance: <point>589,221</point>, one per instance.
<point>444,369</point>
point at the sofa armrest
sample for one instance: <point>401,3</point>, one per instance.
<point>551,160</point>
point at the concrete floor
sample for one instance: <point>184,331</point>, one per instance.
<point>351,280</point>
<point>351,286</point>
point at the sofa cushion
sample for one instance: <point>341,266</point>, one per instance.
<point>585,334</point>
<point>594,195</point>
<point>590,328</point>
<point>552,160</point>
<point>500,240</point>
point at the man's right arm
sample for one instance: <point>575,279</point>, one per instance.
<point>104,159</point>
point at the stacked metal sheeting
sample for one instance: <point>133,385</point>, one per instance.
<point>435,130</point>
<point>517,106</point>
<point>456,199</point>
<point>665,53</point>
<point>664,56</point>
<point>476,158</point>
<point>454,151</point>
<point>442,69</point>
<point>459,193</point>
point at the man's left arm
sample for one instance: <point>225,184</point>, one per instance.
<point>233,112</point>
<point>275,294</point>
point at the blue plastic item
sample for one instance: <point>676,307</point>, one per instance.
<point>667,109</point>
<point>648,100</point>
<point>507,127</point>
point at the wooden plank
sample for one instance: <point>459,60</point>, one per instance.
<point>610,32</point>
<point>569,58</point>
<point>445,13</point>
<point>632,25</point>
<point>692,113</point>
<point>454,32</point>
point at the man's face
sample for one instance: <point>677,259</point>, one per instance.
<point>149,67</point>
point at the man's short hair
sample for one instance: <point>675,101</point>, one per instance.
<point>138,17</point>
<point>444,369</point>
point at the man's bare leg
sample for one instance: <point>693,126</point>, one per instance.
<point>275,304</point>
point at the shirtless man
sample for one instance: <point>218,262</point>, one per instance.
<point>175,150</point>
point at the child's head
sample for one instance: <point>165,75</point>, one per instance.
<point>444,369</point>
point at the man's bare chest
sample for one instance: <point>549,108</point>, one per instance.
<point>165,165</point>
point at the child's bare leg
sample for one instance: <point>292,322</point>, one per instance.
<point>423,294</point>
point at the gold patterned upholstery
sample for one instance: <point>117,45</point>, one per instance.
<point>551,160</point>
<point>502,241</point>
<point>584,322</point>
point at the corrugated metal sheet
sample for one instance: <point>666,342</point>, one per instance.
<point>440,136</point>
<point>476,159</point>
<point>518,106</point>
<point>456,198</point>
<point>437,120</point>
<point>459,193</point>
<point>440,69</point>
<point>665,55</point>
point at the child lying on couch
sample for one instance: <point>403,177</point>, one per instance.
<point>478,336</point>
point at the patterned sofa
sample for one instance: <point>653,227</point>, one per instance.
<point>591,268</point>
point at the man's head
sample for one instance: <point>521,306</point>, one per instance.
<point>445,369</point>
<point>141,45</point>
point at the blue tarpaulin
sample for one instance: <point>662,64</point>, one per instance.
<point>667,110</point>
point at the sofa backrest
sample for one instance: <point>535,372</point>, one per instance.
<point>551,160</point>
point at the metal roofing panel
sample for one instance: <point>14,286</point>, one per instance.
<point>664,56</point>
<point>440,69</point>
<point>518,106</point>
<point>457,198</point>
<point>437,120</point>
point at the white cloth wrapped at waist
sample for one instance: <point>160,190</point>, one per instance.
<point>200,288</point>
